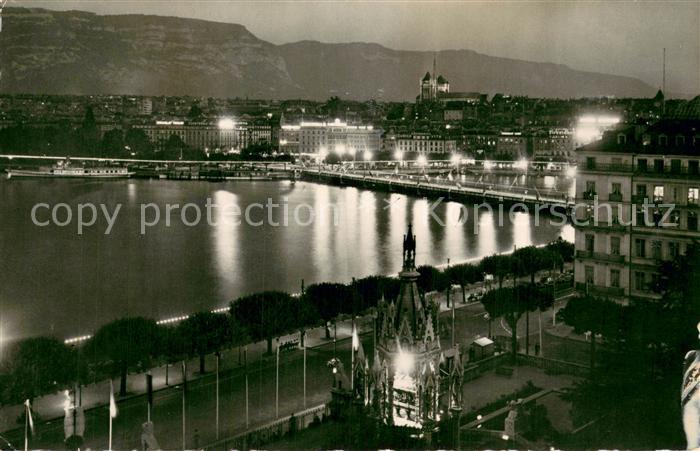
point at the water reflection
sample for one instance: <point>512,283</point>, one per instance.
<point>178,269</point>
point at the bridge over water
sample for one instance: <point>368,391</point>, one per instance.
<point>447,187</point>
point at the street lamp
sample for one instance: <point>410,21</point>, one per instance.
<point>368,155</point>
<point>398,156</point>
<point>521,164</point>
<point>422,160</point>
<point>322,153</point>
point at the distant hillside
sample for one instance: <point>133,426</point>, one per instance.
<point>75,52</point>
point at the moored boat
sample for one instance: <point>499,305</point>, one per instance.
<point>66,170</point>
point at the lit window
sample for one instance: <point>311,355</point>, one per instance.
<point>658,193</point>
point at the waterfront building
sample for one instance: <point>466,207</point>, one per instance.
<point>554,143</point>
<point>512,146</point>
<point>226,136</point>
<point>425,143</point>
<point>312,138</point>
<point>650,179</point>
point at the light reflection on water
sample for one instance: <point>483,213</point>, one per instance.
<point>54,281</point>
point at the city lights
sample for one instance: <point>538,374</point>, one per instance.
<point>226,123</point>
<point>422,160</point>
<point>591,127</point>
<point>398,155</point>
<point>571,171</point>
<point>368,155</point>
<point>521,164</point>
<point>340,149</point>
<point>488,165</point>
<point>404,362</point>
<point>455,159</point>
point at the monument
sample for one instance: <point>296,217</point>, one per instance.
<point>411,381</point>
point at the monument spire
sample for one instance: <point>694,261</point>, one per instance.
<point>409,250</point>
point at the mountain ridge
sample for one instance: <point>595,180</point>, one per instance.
<point>77,52</point>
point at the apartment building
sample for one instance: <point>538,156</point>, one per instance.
<point>637,193</point>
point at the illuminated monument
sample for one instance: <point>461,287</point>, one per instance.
<point>411,382</point>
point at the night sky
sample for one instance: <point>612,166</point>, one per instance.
<point>623,38</point>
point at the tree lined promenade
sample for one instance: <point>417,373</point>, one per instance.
<point>38,366</point>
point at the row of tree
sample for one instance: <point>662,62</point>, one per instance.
<point>36,366</point>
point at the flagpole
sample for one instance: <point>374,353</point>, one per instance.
<point>352,356</point>
<point>111,394</point>
<point>217,395</point>
<point>26,426</point>
<point>245,355</point>
<point>184,390</point>
<point>277,384</point>
<point>305,376</point>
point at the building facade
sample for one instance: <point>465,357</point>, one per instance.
<point>204,136</point>
<point>639,191</point>
<point>512,146</point>
<point>313,138</point>
<point>425,143</point>
<point>553,144</point>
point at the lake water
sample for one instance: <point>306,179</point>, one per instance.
<point>55,281</point>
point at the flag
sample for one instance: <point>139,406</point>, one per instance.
<point>112,403</point>
<point>355,339</point>
<point>29,416</point>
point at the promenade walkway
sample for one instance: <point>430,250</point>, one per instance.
<point>96,394</point>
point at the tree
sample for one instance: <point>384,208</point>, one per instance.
<point>564,249</point>
<point>599,316</point>
<point>257,151</point>
<point>36,366</point>
<point>510,303</point>
<point>127,343</point>
<point>88,134</point>
<point>500,266</point>
<point>332,106</point>
<point>204,333</point>
<point>371,289</point>
<point>267,314</point>
<point>531,260</point>
<point>174,147</point>
<point>195,113</point>
<point>463,275</point>
<point>430,279</point>
<point>137,142</point>
<point>112,144</point>
<point>239,335</point>
<point>329,300</point>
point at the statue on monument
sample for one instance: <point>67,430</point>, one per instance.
<point>690,397</point>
